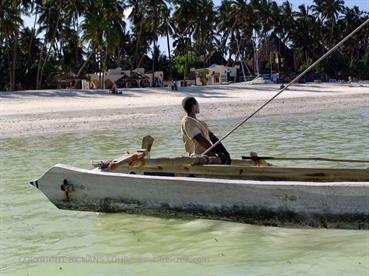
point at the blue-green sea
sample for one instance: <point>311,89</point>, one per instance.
<point>38,239</point>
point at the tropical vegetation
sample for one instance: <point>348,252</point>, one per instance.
<point>84,36</point>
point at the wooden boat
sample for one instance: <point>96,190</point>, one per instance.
<point>251,191</point>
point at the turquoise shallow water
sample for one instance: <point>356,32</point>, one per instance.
<point>38,239</point>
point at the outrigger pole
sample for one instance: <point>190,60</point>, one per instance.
<point>288,85</point>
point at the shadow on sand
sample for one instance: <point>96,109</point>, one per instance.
<point>198,91</point>
<point>61,93</point>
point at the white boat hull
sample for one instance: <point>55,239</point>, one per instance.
<point>328,204</point>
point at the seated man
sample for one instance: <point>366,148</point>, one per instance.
<point>114,89</point>
<point>197,137</point>
<point>174,86</point>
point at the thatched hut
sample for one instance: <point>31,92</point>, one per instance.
<point>66,80</point>
<point>216,58</point>
<point>134,79</point>
<point>272,55</point>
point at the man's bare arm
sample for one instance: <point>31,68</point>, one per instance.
<point>202,141</point>
<point>220,149</point>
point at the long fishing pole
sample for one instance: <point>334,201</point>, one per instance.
<point>288,85</point>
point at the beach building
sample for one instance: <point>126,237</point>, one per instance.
<point>217,74</point>
<point>128,78</point>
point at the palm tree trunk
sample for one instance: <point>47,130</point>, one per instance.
<point>351,60</point>
<point>59,46</point>
<point>186,63</point>
<point>241,62</point>
<point>14,62</point>
<point>104,67</point>
<point>31,40</point>
<point>48,51</point>
<point>140,61</point>
<point>331,34</point>
<point>137,45</point>
<point>153,65</point>
<point>230,51</point>
<point>205,63</point>
<point>100,69</point>
<point>229,58</point>
<point>306,58</point>
<point>42,54</point>
<point>39,71</point>
<point>256,59</point>
<point>10,66</point>
<point>235,58</point>
<point>11,54</point>
<point>170,58</point>
<point>76,49</point>
<point>85,63</point>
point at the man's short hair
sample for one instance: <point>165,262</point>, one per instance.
<point>187,103</point>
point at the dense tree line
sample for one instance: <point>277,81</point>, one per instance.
<point>82,36</point>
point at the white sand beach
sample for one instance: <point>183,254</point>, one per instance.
<point>42,112</point>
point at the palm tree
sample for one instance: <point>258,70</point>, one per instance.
<point>224,25</point>
<point>287,21</point>
<point>115,27</point>
<point>185,21</point>
<point>11,21</point>
<point>50,14</point>
<point>167,28</point>
<point>123,52</point>
<point>71,52</point>
<point>352,18</point>
<point>30,47</point>
<point>156,11</point>
<point>204,31</point>
<point>34,8</point>
<point>301,35</point>
<point>328,11</point>
<point>103,27</point>
<point>236,19</point>
<point>263,11</point>
<point>305,36</point>
<point>73,10</point>
<point>137,17</point>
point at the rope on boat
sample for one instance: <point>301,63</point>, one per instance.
<point>288,85</point>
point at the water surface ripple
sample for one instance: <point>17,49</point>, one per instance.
<point>39,239</point>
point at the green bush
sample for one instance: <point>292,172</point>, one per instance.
<point>203,76</point>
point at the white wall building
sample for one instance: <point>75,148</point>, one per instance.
<point>218,74</point>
